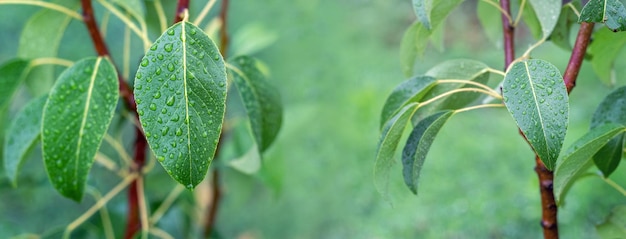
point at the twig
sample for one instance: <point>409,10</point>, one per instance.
<point>509,32</point>
<point>578,54</point>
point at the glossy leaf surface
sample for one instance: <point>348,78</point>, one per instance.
<point>610,12</point>
<point>535,95</point>
<point>605,48</point>
<point>75,118</point>
<point>411,90</point>
<point>23,132</point>
<point>12,74</point>
<point>180,90</point>
<point>578,157</point>
<point>547,12</point>
<point>261,100</point>
<point>418,145</point>
<point>611,110</point>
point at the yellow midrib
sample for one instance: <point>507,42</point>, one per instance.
<point>85,113</point>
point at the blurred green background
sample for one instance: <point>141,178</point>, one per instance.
<point>334,63</point>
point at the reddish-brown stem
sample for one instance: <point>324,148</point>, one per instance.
<point>133,223</point>
<point>224,31</point>
<point>509,34</point>
<point>180,9</point>
<point>578,54</point>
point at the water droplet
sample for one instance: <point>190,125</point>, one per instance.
<point>170,67</point>
<point>170,100</point>
<point>192,31</point>
<point>222,84</point>
<point>148,134</point>
<point>168,47</point>
<point>160,56</point>
<point>157,95</point>
<point>170,32</point>
<point>173,77</point>
<point>179,132</point>
<point>173,143</point>
<point>176,118</point>
<point>153,47</point>
<point>171,155</point>
<point>161,158</point>
<point>164,111</point>
<point>138,87</point>
<point>190,186</point>
<point>552,74</point>
<point>158,71</point>
<point>144,62</point>
<point>153,106</point>
<point>164,150</point>
<point>540,86</point>
<point>549,90</point>
<point>164,130</point>
<point>149,79</point>
<point>205,134</point>
<point>138,101</point>
<point>159,120</point>
<point>140,112</point>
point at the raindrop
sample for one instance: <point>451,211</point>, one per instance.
<point>168,47</point>
<point>160,56</point>
<point>173,143</point>
<point>170,32</point>
<point>158,71</point>
<point>153,106</point>
<point>173,77</point>
<point>140,112</point>
<point>148,134</point>
<point>164,111</point>
<point>179,132</point>
<point>153,47</point>
<point>157,95</point>
<point>144,62</point>
<point>159,120</point>
<point>170,67</point>
<point>171,155</point>
<point>205,134</point>
<point>138,101</point>
<point>161,158</point>
<point>540,86</point>
<point>549,90</point>
<point>170,101</point>
<point>164,130</point>
<point>192,32</point>
<point>176,118</point>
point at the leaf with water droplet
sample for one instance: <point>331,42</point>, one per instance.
<point>12,74</point>
<point>409,91</point>
<point>611,12</point>
<point>547,12</point>
<point>541,119</point>
<point>261,100</point>
<point>418,144</point>
<point>577,159</point>
<point>67,144</point>
<point>612,109</point>
<point>605,48</point>
<point>198,80</point>
<point>21,135</point>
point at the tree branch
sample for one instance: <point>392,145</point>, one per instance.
<point>180,9</point>
<point>578,54</point>
<point>509,34</point>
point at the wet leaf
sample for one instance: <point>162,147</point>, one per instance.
<point>605,48</point>
<point>536,97</point>
<point>547,12</point>
<point>21,135</point>
<point>180,91</point>
<point>12,74</point>
<point>75,118</point>
<point>422,10</point>
<point>611,110</point>
<point>610,12</point>
<point>261,100</point>
<point>418,145</point>
<point>578,157</point>
<point>614,226</point>
<point>409,91</point>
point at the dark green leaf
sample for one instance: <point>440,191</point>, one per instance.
<point>409,91</point>
<point>610,12</point>
<point>261,100</point>
<point>611,110</point>
<point>76,117</point>
<point>561,34</point>
<point>605,48</point>
<point>388,144</point>
<point>180,90</point>
<point>578,157</point>
<point>23,132</point>
<point>615,224</point>
<point>535,95</point>
<point>12,73</point>
<point>41,37</point>
<point>422,10</point>
<point>547,12</point>
<point>418,145</point>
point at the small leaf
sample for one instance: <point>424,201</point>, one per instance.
<point>41,37</point>
<point>75,118</point>
<point>388,144</point>
<point>614,226</point>
<point>535,95</point>
<point>249,163</point>
<point>180,91</point>
<point>605,48</point>
<point>611,110</point>
<point>409,91</point>
<point>610,12</point>
<point>561,34</point>
<point>422,10</point>
<point>577,157</point>
<point>547,12</point>
<point>12,73</point>
<point>23,132</point>
<point>532,22</point>
<point>418,145</point>
<point>261,100</point>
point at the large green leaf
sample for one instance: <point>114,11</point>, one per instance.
<point>23,132</point>
<point>409,91</point>
<point>561,34</point>
<point>535,95</point>
<point>180,90</point>
<point>41,37</point>
<point>547,12</point>
<point>615,224</point>
<point>12,73</point>
<point>610,12</point>
<point>418,145</point>
<point>261,100</point>
<point>422,10</point>
<point>388,143</point>
<point>75,118</point>
<point>611,110</point>
<point>605,48</point>
<point>578,157</point>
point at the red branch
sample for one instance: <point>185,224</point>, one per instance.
<point>578,54</point>
<point>509,34</point>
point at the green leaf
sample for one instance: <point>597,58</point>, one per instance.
<point>610,12</point>
<point>249,163</point>
<point>12,73</point>
<point>418,145</point>
<point>134,7</point>
<point>252,38</point>
<point>75,118</point>
<point>614,226</point>
<point>388,144</point>
<point>261,100</point>
<point>577,157</point>
<point>547,12</point>
<point>532,21</point>
<point>490,20</point>
<point>611,110</point>
<point>536,97</point>
<point>605,48</point>
<point>180,90</point>
<point>41,37</point>
<point>409,91</point>
<point>22,134</point>
<point>422,10</point>
<point>561,34</point>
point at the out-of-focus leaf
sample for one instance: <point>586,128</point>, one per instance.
<point>134,7</point>
<point>532,21</point>
<point>23,132</point>
<point>422,10</point>
<point>249,163</point>
<point>418,145</point>
<point>577,158</point>
<point>547,12</point>
<point>409,91</point>
<point>561,34</point>
<point>490,20</point>
<point>75,118</point>
<point>614,226</point>
<point>605,48</point>
<point>610,12</point>
<point>251,39</point>
<point>611,110</point>
<point>12,74</point>
<point>180,90</point>
<point>536,97</point>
